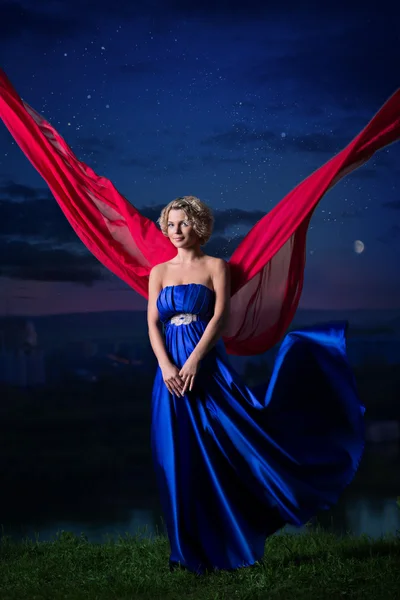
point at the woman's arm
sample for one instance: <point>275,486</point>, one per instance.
<point>215,327</point>
<point>217,324</point>
<point>153,322</point>
<point>170,371</point>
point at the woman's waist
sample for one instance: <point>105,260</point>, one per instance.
<point>185,318</point>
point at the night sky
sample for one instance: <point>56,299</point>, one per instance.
<point>234,102</point>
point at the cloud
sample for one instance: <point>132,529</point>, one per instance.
<point>117,9</point>
<point>39,217</point>
<point>317,142</point>
<point>221,247</point>
<point>42,262</point>
<point>384,164</point>
<point>49,20</point>
<point>227,12</point>
<point>223,10</point>
<point>392,204</point>
<point>365,172</point>
<point>240,135</point>
<point>18,19</point>
<point>236,217</point>
<point>18,191</point>
<point>94,145</point>
<point>223,219</point>
<point>158,166</point>
<point>335,60</point>
<point>390,236</point>
<point>37,242</point>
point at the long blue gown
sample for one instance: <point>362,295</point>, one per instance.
<point>234,465</point>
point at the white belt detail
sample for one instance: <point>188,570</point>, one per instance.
<point>183,319</point>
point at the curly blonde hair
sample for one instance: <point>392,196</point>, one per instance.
<point>197,212</point>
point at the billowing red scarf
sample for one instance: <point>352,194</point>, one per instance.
<point>267,267</point>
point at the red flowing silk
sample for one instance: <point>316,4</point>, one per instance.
<point>267,268</point>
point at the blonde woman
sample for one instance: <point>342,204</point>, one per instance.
<point>233,464</point>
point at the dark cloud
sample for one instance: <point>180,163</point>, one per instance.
<point>223,10</point>
<point>18,191</point>
<point>342,53</point>
<point>39,218</point>
<point>211,161</point>
<point>47,20</point>
<point>366,173</point>
<point>393,205</point>
<point>226,12</point>
<point>240,135</point>
<point>338,62</point>
<point>32,233</point>
<point>41,262</point>
<point>18,18</point>
<point>383,165</point>
<point>113,9</point>
<point>26,15</point>
<point>223,219</point>
<point>390,236</point>
<point>38,243</point>
<point>159,166</point>
<point>47,248</point>
<point>221,247</point>
<point>317,142</point>
<point>95,146</point>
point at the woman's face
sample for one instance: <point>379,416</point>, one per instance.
<point>180,230</point>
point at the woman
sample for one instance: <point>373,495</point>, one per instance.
<point>187,231</point>
<point>234,465</point>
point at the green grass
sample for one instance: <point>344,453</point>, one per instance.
<point>313,566</point>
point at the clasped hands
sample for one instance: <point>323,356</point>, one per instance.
<point>179,381</point>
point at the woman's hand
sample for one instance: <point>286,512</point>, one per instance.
<point>188,373</point>
<point>172,379</point>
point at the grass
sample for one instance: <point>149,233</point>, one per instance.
<point>313,566</point>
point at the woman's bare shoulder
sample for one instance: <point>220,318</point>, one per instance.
<point>217,264</point>
<point>213,260</point>
<point>160,267</point>
<point>218,268</point>
<point>156,274</point>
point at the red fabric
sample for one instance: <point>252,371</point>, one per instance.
<point>268,265</point>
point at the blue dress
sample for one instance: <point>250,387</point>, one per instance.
<point>233,465</point>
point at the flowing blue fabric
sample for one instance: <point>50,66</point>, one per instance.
<point>233,465</point>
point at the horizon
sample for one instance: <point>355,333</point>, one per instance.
<point>143,310</point>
